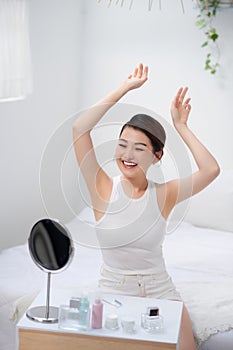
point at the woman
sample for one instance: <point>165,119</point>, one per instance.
<point>130,210</point>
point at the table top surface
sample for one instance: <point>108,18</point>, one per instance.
<point>131,306</point>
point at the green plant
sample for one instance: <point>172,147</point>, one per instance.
<point>208,11</point>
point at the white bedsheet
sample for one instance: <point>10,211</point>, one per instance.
<point>192,255</point>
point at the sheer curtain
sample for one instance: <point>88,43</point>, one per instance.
<point>15,61</point>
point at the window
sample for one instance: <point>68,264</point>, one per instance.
<point>15,61</point>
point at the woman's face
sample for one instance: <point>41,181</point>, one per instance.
<point>134,152</point>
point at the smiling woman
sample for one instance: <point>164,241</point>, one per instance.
<point>134,151</point>
<point>130,210</point>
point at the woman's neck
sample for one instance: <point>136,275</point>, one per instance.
<point>134,187</point>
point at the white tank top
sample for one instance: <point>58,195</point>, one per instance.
<point>131,232</point>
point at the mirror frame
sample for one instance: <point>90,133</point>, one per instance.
<point>71,248</point>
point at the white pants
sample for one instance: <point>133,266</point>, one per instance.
<point>158,286</point>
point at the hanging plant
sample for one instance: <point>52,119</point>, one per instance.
<point>208,11</point>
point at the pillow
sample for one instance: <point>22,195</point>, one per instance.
<point>213,206</point>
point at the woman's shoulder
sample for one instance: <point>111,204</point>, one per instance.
<point>157,185</point>
<point>161,188</point>
<point>161,196</point>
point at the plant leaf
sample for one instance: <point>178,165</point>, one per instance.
<point>214,36</point>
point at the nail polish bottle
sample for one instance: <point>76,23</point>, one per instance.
<point>97,313</point>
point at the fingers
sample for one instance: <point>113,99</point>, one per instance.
<point>187,100</point>
<point>140,71</point>
<point>183,93</point>
<point>145,72</point>
<point>179,98</point>
<point>135,72</point>
<point>186,104</point>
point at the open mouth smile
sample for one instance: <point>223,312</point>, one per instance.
<point>128,165</point>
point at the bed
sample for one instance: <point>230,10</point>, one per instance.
<point>198,255</point>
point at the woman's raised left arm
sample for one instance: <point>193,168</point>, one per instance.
<point>208,168</point>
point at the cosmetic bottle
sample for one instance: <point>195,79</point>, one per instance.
<point>84,310</point>
<point>97,313</point>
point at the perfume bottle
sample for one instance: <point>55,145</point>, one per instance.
<point>97,313</point>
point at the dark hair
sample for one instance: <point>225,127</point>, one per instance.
<point>151,128</point>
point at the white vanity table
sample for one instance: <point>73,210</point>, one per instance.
<point>44,336</point>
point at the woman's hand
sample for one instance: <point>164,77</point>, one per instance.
<point>180,108</point>
<point>137,79</point>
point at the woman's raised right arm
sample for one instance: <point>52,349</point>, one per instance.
<point>96,179</point>
<point>87,120</point>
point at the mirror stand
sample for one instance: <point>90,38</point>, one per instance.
<point>44,314</point>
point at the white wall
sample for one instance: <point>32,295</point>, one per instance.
<point>117,39</point>
<point>80,51</point>
<point>26,126</point>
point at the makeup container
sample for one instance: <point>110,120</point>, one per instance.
<point>69,318</point>
<point>111,321</point>
<point>152,321</point>
<point>152,324</point>
<point>128,324</point>
<point>76,315</point>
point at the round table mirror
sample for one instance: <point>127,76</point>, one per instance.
<point>51,248</point>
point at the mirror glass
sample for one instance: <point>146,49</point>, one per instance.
<point>50,245</point>
<point>51,248</point>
